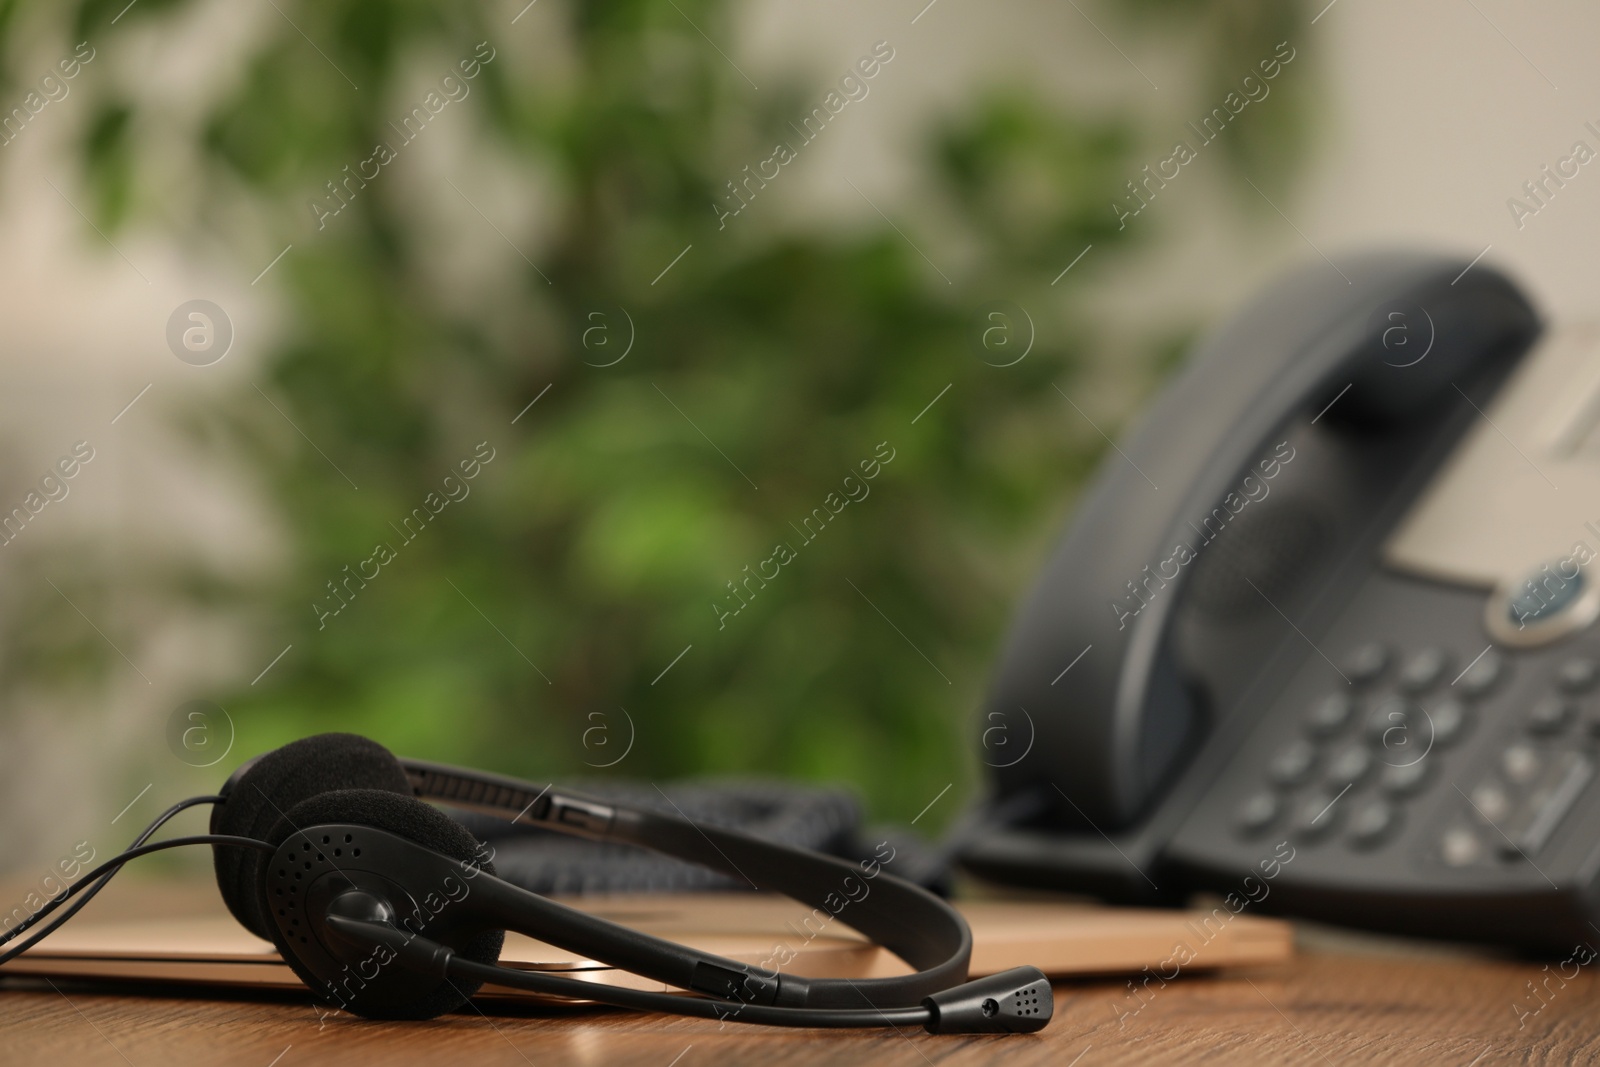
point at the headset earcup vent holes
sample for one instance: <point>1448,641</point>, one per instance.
<point>364,825</point>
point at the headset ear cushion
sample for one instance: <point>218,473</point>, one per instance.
<point>275,783</point>
<point>427,826</point>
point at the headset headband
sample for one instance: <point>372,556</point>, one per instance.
<point>915,925</point>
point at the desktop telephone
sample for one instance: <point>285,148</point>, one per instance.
<point>1331,591</point>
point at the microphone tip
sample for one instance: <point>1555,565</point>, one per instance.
<point>1017,1001</point>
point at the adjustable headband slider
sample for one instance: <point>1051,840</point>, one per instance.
<point>584,816</point>
<point>741,986</point>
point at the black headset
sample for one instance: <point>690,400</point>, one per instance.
<point>388,908</point>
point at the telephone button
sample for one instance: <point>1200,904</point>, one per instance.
<point>1391,720</point>
<point>1549,715</point>
<point>1349,766</point>
<point>1317,815</point>
<point>1423,670</point>
<point>1256,813</point>
<point>1404,779</point>
<point>1491,801</point>
<point>1482,673</point>
<point>1449,721</point>
<point>1373,822</point>
<point>1366,662</point>
<point>1521,763</point>
<point>1292,763</point>
<point>1578,674</point>
<point>1329,715</point>
<point>1460,847</point>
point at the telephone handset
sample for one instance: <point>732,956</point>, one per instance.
<point>1227,637</point>
<point>1111,729</point>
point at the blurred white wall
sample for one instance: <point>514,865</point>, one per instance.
<point>1439,112</point>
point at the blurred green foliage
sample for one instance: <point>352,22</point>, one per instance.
<point>597,541</point>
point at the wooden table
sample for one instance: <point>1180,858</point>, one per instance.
<point>1344,999</point>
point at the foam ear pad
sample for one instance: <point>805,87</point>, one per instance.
<point>429,827</point>
<point>275,783</point>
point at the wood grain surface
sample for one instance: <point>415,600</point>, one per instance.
<point>1342,1000</point>
<point>1320,1008</point>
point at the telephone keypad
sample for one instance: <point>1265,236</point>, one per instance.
<point>1366,752</point>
